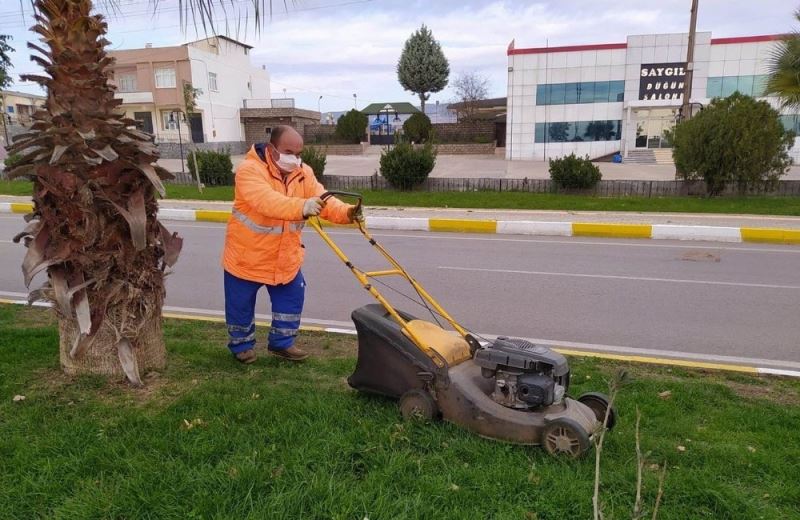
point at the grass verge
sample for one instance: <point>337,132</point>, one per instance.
<point>209,438</point>
<point>513,200</point>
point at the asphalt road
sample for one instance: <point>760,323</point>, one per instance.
<point>723,302</point>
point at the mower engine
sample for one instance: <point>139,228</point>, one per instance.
<point>526,376</point>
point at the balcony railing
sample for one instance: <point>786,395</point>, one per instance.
<point>268,103</point>
<point>134,97</point>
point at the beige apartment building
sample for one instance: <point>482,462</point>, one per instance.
<point>18,107</point>
<point>150,81</point>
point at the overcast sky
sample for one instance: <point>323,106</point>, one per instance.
<point>334,48</point>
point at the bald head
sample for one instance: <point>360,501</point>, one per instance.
<point>286,141</point>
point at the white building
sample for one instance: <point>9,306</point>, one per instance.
<point>600,99</point>
<point>151,82</point>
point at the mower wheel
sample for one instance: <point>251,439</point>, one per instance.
<point>599,404</point>
<point>418,405</point>
<point>565,436</point>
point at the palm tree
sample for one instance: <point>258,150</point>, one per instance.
<point>784,73</point>
<point>93,228</point>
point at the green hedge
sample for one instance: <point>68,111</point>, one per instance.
<point>572,172</point>
<point>216,168</point>
<point>406,167</point>
<point>316,158</point>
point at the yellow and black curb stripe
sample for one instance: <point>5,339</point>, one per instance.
<point>650,360</point>
<point>517,227</point>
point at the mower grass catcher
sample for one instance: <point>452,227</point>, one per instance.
<point>505,389</point>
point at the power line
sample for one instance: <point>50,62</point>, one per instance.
<point>310,90</point>
<point>216,23</point>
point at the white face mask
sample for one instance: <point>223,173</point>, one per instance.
<point>288,162</point>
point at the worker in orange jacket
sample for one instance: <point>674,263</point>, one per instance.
<point>274,194</point>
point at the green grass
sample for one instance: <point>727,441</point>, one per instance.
<point>513,200</point>
<point>19,188</point>
<point>276,440</point>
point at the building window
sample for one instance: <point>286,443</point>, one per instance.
<point>791,123</point>
<point>146,120</point>
<point>580,93</point>
<point>126,83</point>
<point>165,78</point>
<point>212,81</point>
<point>169,119</point>
<point>724,86</point>
<point>578,131</point>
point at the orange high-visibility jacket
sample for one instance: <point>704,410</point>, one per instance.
<point>262,241</point>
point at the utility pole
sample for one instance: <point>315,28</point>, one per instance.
<point>4,116</point>
<point>686,107</point>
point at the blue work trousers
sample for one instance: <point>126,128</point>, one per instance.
<point>240,308</point>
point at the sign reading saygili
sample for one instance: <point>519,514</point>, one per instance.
<point>662,81</point>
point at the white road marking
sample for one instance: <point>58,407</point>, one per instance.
<point>6,242</point>
<point>208,312</point>
<point>260,317</point>
<point>17,295</point>
<point>764,366</point>
<point>660,353</point>
<point>617,277</point>
<point>171,225</point>
<point>574,241</point>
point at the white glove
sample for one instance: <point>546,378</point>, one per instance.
<point>312,207</point>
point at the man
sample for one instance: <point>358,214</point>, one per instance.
<point>274,192</point>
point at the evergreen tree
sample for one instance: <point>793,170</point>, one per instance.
<point>423,68</point>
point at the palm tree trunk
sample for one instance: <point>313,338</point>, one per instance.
<point>104,359</point>
<point>94,226</point>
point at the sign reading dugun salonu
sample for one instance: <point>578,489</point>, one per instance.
<point>662,81</point>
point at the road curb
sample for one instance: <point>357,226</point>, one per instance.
<point>642,359</point>
<point>518,227</point>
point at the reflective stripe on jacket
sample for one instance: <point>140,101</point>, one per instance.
<point>262,240</point>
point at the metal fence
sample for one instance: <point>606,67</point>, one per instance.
<point>608,188</point>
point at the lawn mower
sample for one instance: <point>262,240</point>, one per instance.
<point>505,388</point>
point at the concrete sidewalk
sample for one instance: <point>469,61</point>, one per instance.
<point>487,166</point>
<point>666,226</point>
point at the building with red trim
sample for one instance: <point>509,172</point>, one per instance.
<point>601,99</point>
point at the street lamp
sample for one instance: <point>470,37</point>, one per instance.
<point>355,102</point>
<point>319,105</point>
<point>388,109</point>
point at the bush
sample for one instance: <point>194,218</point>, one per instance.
<point>12,160</point>
<point>736,139</point>
<point>572,172</point>
<point>316,158</point>
<point>351,127</point>
<point>417,128</point>
<point>406,167</point>
<point>216,168</point>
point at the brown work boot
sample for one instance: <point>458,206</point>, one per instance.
<point>291,353</point>
<point>247,356</point>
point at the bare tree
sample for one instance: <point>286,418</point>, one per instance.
<point>471,88</point>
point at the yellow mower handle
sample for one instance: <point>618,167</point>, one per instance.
<point>328,194</point>
<point>396,270</point>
